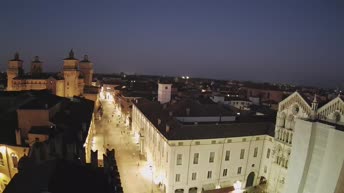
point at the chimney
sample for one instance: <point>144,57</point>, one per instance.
<point>167,128</point>
<point>159,121</point>
<point>187,111</point>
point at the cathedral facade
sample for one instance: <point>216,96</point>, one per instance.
<point>68,83</point>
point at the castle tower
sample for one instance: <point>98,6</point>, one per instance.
<point>36,66</point>
<point>71,75</point>
<point>164,92</point>
<point>14,69</point>
<point>86,69</point>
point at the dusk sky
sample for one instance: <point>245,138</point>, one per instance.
<point>288,41</point>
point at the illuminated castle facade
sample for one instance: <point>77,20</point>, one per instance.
<point>70,82</point>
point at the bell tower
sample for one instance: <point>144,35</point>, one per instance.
<point>71,75</point>
<point>14,69</point>
<point>36,66</point>
<point>86,68</point>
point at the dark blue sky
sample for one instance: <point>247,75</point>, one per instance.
<point>293,41</point>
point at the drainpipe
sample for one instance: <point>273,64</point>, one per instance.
<point>223,149</point>
<point>247,159</point>
<point>187,177</point>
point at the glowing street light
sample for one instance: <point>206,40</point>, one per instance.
<point>237,187</point>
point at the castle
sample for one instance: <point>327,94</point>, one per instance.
<point>68,83</point>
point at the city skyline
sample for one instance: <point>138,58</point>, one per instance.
<point>290,42</point>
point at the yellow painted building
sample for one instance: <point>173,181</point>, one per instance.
<point>9,158</point>
<point>68,83</point>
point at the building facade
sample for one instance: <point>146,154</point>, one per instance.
<point>189,152</point>
<point>308,149</point>
<point>70,82</point>
<point>303,153</point>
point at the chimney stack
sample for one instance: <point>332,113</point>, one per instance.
<point>159,121</point>
<point>167,128</point>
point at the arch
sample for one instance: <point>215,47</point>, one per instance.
<point>4,181</point>
<point>250,179</point>
<point>14,160</point>
<point>289,121</point>
<point>286,136</point>
<point>179,191</point>
<point>2,162</point>
<point>193,190</point>
<point>281,119</point>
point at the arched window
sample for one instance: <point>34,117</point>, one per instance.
<point>2,163</point>
<point>14,160</point>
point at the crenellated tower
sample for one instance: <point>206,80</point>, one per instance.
<point>86,69</point>
<point>71,75</point>
<point>14,69</point>
<point>36,66</point>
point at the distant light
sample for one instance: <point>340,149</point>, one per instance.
<point>187,77</point>
<point>228,95</point>
<point>183,77</point>
<point>238,113</point>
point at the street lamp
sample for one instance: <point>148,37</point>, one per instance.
<point>237,187</point>
<point>151,167</point>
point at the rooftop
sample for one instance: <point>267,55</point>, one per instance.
<point>43,102</point>
<point>58,176</point>
<point>242,126</point>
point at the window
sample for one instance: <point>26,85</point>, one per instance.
<point>228,153</point>
<point>197,143</point>
<point>14,160</point>
<point>209,174</point>
<point>2,163</point>
<point>255,152</point>
<point>180,143</point>
<point>268,153</point>
<point>239,170</point>
<point>211,157</point>
<point>229,141</point>
<point>224,172</point>
<point>213,142</point>
<point>177,177</point>
<point>244,139</point>
<point>265,169</point>
<point>179,159</point>
<point>196,156</point>
<point>194,176</point>
<point>242,153</point>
